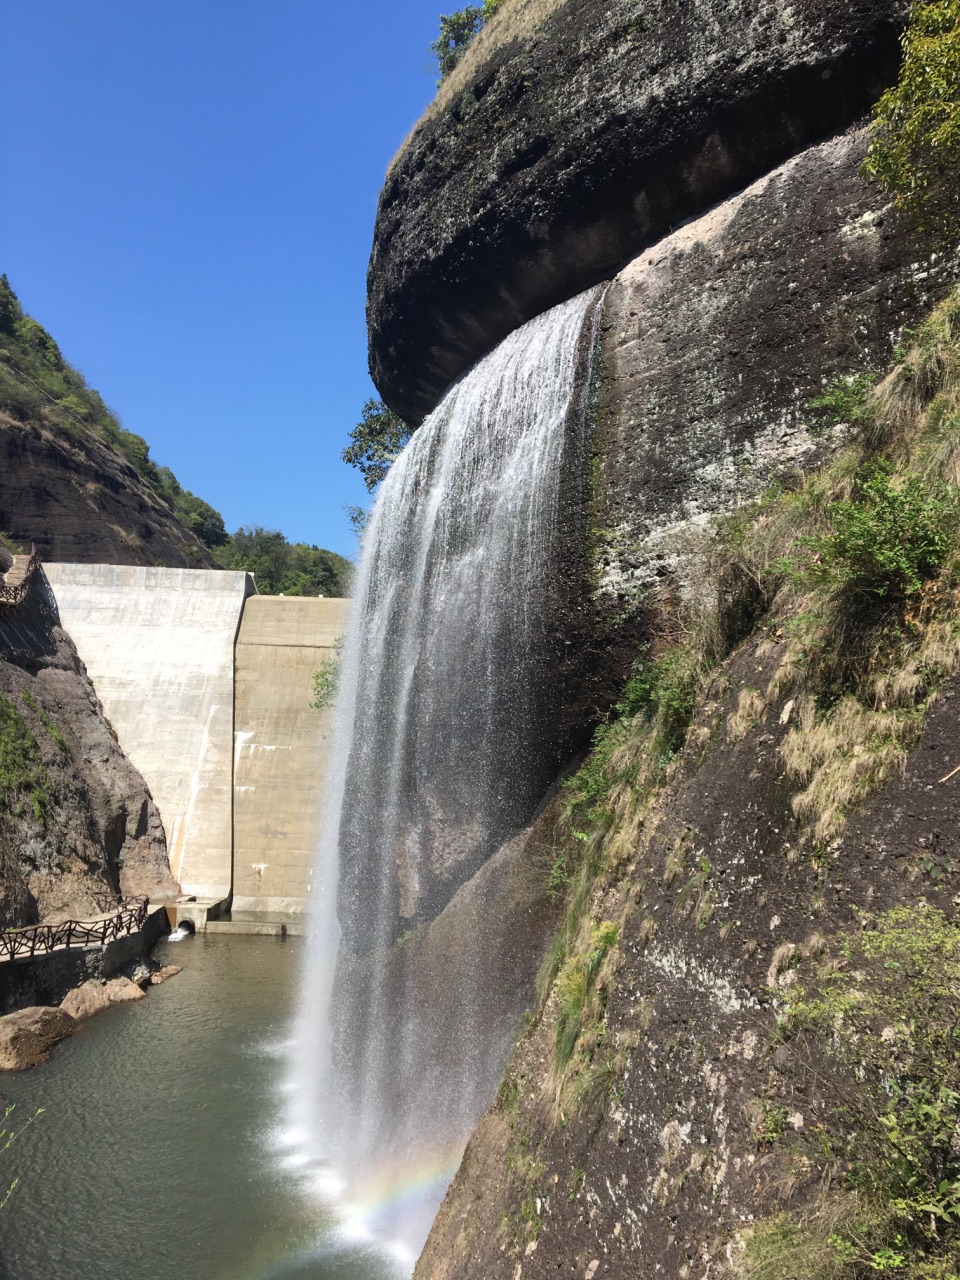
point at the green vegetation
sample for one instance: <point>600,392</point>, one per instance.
<point>883,543</point>
<point>883,1007</point>
<point>38,385</point>
<point>656,704</point>
<point>456,31</point>
<point>326,679</point>
<point>8,1135</point>
<point>376,442</point>
<point>284,568</point>
<point>915,150</point>
<point>56,736</point>
<point>22,775</point>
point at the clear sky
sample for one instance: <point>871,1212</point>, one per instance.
<point>187,197</point>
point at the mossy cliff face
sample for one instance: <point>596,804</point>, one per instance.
<point>576,135</point>
<point>76,819</point>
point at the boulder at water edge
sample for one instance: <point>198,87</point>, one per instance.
<point>95,996</point>
<point>27,1036</point>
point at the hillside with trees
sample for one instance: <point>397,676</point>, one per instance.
<point>80,486</point>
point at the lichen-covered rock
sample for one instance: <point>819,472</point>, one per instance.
<point>566,143</point>
<point>94,825</point>
<point>27,1036</point>
<point>717,337</point>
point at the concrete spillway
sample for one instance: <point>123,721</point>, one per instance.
<point>208,688</point>
<point>281,747</point>
<point>158,645</point>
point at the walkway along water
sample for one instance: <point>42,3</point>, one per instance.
<point>130,915</point>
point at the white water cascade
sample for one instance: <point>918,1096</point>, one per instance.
<point>445,738</point>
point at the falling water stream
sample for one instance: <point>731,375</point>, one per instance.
<point>188,1134</point>
<point>446,736</point>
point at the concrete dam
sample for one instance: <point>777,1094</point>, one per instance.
<point>208,688</point>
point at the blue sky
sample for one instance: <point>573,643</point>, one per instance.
<point>187,204</point>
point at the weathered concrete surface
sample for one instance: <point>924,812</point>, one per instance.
<point>90,824</point>
<point>583,133</point>
<point>158,646</point>
<point>281,747</point>
<point>716,338</point>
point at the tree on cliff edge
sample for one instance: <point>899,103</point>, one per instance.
<point>376,442</point>
<point>915,151</point>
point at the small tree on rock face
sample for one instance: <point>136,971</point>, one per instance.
<point>915,151</point>
<point>377,441</point>
<point>456,32</point>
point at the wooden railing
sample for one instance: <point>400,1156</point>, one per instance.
<point>131,914</point>
<point>16,583</point>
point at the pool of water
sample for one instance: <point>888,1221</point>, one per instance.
<point>158,1149</point>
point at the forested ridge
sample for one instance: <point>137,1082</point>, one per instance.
<point>39,386</point>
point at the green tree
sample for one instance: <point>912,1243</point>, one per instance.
<point>457,30</point>
<point>376,442</point>
<point>284,568</point>
<point>193,513</point>
<point>915,149</point>
<point>10,311</point>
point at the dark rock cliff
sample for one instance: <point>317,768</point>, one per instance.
<point>78,499</point>
<point>657,1176</point>
<point>717,338</point>
<point>563,147</point>
<point>85,821</point>
<point>705,158</point>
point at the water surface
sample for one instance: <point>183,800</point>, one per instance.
<point>157,1152</point>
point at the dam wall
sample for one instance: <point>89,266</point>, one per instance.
<point>208,688</point>
<point>158,645</point>
<point>281,747</point>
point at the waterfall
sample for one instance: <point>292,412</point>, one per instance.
<point>448,730</point>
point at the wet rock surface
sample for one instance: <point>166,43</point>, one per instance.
<point>717,338</point>
<point>575,143</point>
<point>96,827</point>
<point>27,1036</point>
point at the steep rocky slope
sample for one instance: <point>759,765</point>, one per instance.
<point>718,1079</point>
<point>662,1160</point>
<point>78,499</point>
<point>72,480</point>
<point>743,1060</point>
<point>577,134</point>
<point>76,818</point>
